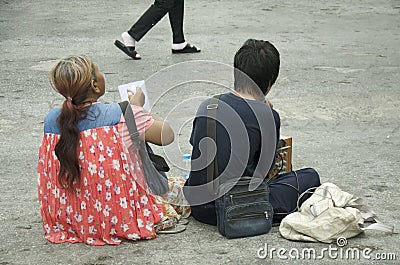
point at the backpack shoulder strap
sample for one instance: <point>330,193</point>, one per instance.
<point>212,169</point>
<point>123,105</point>
<point>130,122</point>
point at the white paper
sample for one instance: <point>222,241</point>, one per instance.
<point>123,92</point>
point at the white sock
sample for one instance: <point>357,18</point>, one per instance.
<point>178,46</point>
<point>127,39</point>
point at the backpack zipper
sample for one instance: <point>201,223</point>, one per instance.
<point>245,194</point>
<point>249,215</point>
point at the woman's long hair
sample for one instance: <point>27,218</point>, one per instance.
<point>71,77</point>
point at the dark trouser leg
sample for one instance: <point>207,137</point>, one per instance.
<point>150,18</point>
<point>176,20</point>
<point>205,213</point>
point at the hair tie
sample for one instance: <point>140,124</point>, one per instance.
<point>70,100</point>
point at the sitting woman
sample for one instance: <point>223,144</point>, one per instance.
<point>91,188</point>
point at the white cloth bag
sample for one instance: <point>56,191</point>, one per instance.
<point>329,214</point>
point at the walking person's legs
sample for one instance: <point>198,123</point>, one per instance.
<point>147,21</point>
<point>150,18</point>
<point>175,10</point>
<point>179,45</point>
<point>175,15</point>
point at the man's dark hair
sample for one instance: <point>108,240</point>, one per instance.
<point>259,60</point>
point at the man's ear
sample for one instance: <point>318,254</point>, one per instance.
<point>94,87</point>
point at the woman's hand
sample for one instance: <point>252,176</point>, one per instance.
<point>136,99</point>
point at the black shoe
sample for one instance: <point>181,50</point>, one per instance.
<point>130,51</point>
<point>188,49</point>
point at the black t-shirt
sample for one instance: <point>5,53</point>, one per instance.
<point>238,152</point>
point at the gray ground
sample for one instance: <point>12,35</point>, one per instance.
<point>338,96</point>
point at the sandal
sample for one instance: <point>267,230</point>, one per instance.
<point>183,221</point>
<point>166,224</point>
<point>130,51</point>
<point>188,49</point>
<point>173,230</point>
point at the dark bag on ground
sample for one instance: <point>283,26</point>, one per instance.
<point>243,213</point>
<point>286,188</point>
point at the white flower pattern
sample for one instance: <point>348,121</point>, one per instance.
<point>123,203</point>
<point>92,230</point>
<point>146,212</point>
<point>90,219</point>
<point>81,156</point>
<point>107,210</point>
<point>108,184</point>
<point>101,146</point>
<point>92,149</point>
<point>63,199</point>
<point>102,158</point>
<point>114,220</point>
<point>92,168</point>
<point>144,200</point>
<point>99,187</point>
<point>108,198</point>
<point>101,172</point>
<point>97,205</point>
<point>109,152</point>
<point>117,189</point>
<point>116,164</point>
<point>124,227</point>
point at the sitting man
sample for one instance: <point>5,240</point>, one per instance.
<point>245,121</point>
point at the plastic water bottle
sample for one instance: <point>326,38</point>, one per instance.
<point>186,164</point>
